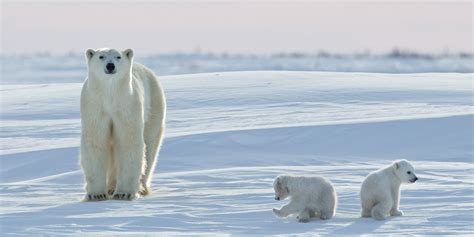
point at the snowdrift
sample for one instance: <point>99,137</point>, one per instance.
<point>230,134</point>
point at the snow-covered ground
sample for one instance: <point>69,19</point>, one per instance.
<point>230,134</point>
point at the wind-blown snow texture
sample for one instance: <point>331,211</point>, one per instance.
<point>230,134</point>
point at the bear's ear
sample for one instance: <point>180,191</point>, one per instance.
<point>128,53</point>
<point>279,183</point>
<point>89,54</point>
<point>396,164</point>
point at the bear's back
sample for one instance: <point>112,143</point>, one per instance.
<point>146,82</point>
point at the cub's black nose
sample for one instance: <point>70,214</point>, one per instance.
<point>277,198</point>
<point>416,178</point>
<point>110,67</point>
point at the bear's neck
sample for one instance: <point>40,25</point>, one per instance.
<point>116,83</point>
<point>397,182</point>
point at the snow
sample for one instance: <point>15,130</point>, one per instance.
<point>230,134</point>
<point>71,67</point>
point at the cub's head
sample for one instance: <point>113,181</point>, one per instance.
<point>281,188</point>
<point>405,171</point>
<point>109,62</point>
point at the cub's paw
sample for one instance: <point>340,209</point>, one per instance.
<point>365,214</point>
<point>95,197</point>
<point>396,213</point>
<point>125,196</point>
<point>314,214</point>
<point>325,217</point>
<point>277,212</point>
<point>302,220</point>
<point>378,217</point>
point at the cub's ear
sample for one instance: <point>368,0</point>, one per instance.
<point>396,164</point>
<point>128,53</point>
<point>89,54</point>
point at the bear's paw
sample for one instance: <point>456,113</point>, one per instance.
<point>125,196</point>
<point>95,197</point>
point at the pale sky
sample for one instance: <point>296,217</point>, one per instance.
<point>236,26</point>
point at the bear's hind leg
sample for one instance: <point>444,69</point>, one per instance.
<point>366,212</point>
<point>381,209</point>
<point>328,204</point>
<point>314,214</point>
<point>366,206</point>
<point>153,139</point>
<point>304,215</point>
<point>326,214</point>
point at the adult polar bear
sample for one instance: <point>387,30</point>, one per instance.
<point>123,118</point>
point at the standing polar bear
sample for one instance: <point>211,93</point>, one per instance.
<point>310,197</point>
<point>380,192</point>
<point>123,119</point>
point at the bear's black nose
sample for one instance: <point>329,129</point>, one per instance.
<point>277,198</point>
<point>110,67</point>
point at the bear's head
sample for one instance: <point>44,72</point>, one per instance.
<point>281,188</point>
<point>109,63</point>
<point>404,171</point>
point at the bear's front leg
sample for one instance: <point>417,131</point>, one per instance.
<point>277,212</point>
<point>129,169</point>
<point>396,213</point>
<point>129,151</point>
<point>287,210</point>
<point>396,202</point>
<point>94,155</point>
<point>112,175</point>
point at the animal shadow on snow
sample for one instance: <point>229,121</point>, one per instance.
<point>360,226</point>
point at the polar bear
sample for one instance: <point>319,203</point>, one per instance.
<point>123,110</point>
<point>310,197</point>
<point>380,191</point>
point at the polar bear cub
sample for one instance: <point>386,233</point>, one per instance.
<point>123,111</point>
<point>310,197</point>
<point>380,191</point>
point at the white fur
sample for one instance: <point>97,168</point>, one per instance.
<point>310,197</point>
<point>123,121</point>
<point>380,192</point>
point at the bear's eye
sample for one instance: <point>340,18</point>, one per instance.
<point>118,57</point>
<point>409,172</point>
<point>101,57</point>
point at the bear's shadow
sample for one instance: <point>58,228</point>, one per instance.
<point>361,226</point>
